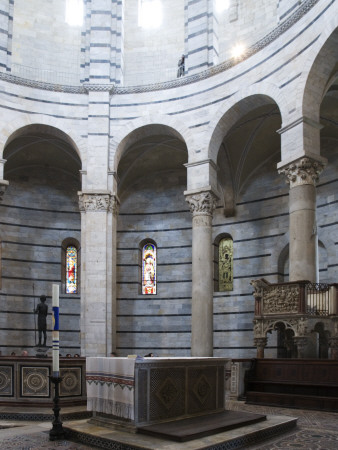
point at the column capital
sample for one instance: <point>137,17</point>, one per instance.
<point>302,171</point>
<point>101,201</point>
<point>3,186</point>
<point>201,202</point>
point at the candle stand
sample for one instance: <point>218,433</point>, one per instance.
<point>57,432</point>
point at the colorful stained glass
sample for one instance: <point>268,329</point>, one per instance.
<point>225,265</point>
<point>149,269</point>
<point>71,270</point>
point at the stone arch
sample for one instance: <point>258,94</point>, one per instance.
<point>234,108</point>
<point>272,326</point>
<point>319,70</point>
<point>17,127</point>
<point>284,334</point>
<point>142,127</point>
<point>323,335</point>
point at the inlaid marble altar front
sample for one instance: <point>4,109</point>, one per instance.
<point>151,390</point>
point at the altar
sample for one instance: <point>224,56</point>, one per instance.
<point>144,391</point>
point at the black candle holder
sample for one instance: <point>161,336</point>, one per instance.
<point>57,432</point>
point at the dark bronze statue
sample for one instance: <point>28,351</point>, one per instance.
<point>181,67</point>
<point>42,311</point>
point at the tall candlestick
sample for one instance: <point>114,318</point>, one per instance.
<point>55,332</point>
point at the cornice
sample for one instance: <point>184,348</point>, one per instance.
<point>182,81</point>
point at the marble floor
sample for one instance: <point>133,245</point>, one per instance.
<point>314,430</point>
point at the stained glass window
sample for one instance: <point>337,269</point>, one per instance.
<point>225,264</point>
<point>71,270</point>
<point>149,269</point>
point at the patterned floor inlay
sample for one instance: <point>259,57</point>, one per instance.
<point>315,429</point>
<point>39,441</point>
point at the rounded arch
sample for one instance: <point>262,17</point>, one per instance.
<point>319,70</point>
<point>237,106</point>
<point>273,325</point>
<point>144,127</point>
<point>42,124</point>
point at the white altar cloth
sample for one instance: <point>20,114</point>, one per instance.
<point>110,386</point>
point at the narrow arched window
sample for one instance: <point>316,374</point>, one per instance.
<point>71,270</point>
<point>225,264</point>
<point>149,269</point>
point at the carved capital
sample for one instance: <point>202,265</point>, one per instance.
<point>303,171</point>
<point>202,203</point>
<point>3,186</point>
<point>260,342</point>
<point>98,202</point>
<point>114,205</point>
<point>258,329</point>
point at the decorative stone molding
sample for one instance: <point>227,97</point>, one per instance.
<point>99,88</point>
<point>259,45</point>
<point>299,325</point>
<point>114,205</point>
<point>303,171</point>
<point>96,201</point>
<point>3,186</point>
<point>279,299</point>
<point>258,330</point>
<point>259,286</point>
<point>202,203</point>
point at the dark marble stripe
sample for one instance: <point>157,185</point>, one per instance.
<point>39,227</point>
<point>31,244</point>
<point>9,108</point>
<point>30,261</point>
<point>39,209</point>
<point>289,10</point>
<point>275,216</point>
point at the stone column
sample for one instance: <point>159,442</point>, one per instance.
<point>333,344</point>
<point>98,310</point>
<point>202,205</point>
<point>301,342</point>
<point>302,175</point>
<point>260,343</point>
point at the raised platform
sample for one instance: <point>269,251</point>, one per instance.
<point>196,427</point>
<point>241,437</point>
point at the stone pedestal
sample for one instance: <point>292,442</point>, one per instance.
<point>41,352</point>
<point>202,205</point>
